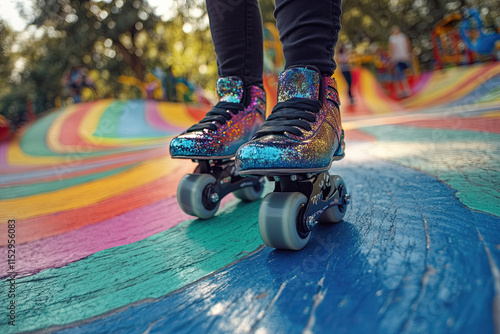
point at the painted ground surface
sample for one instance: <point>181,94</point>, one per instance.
<point>102,246</point>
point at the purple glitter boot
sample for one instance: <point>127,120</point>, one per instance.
<point>213,142</point>
<point>295,148</point>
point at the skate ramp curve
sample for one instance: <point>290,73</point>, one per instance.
<point>458,86</point>
<point>452,87</point>
<point>104,247</point>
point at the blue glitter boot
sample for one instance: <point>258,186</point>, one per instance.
<point>213,142</point>
<point>295,148</point>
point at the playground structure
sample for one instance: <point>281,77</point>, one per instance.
<point>483,43</point>
<point>151,88</point>
<point>460,40</point>
<point>155,87</point>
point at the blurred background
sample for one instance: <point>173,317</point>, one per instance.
<point>92,92</point>
<point>162,49</point>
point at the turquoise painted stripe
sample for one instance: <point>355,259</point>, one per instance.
<point>108,124</point>
<point>34,142</point>
<point>133,123</point>
<point>149,268</point>
<point>468,161</point>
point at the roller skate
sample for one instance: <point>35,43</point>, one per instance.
<point>213,142</point>
<point>295,148</point>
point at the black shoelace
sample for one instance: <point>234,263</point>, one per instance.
<point>290,116</point>
<point>219,113</point>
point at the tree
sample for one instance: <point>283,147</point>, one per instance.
<point>95,30</point>
<point>6,57</point>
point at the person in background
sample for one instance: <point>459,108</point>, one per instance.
<point>343,64</point>
<point>383,65</point>
<point>75,80</point>
<point>400,52</point>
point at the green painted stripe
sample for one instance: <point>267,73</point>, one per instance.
<point>45,187</point>
<point>468,161</point>
<point>110,120</point>
<point>34,142</point>
<point>150,268</point>
<point>491,96</point>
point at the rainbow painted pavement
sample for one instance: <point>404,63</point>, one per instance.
<point>102,246</point>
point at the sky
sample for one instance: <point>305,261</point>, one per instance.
<point>8,11</point>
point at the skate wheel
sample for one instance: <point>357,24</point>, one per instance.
<point>250,194</point>
<point>278,217</point>
<point>336,213</point>
<point>193,195</point>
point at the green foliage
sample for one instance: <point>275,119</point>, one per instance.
<point>6,57</point>
<point>110,38</point>
<point>126,37</point>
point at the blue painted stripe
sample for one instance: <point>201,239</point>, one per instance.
<point>133,123</point>
<point>478,93</point>
<point>408,258</point>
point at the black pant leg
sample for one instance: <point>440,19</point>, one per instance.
<point>309,32</point>
<point>236,28</point>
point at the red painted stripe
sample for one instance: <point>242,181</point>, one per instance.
<point>358,135</point>
<point>69,135</point>
<point>61,222</point>
<point>197,113</point>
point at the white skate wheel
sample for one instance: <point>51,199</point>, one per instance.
<point>249,194</point>
<point>193,197</point>
<point>278,216</point>
<point>336,213</point>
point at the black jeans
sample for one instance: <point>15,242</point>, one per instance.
<point>308,31</point>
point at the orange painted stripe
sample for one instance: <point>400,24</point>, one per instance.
<point>74,174</point>
<point>35,228</point>
<point>197,113</point>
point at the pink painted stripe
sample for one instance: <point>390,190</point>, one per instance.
<point>3,154</point>
<point>60,250</point>
<point>155,120</point>
<point>421,82</point>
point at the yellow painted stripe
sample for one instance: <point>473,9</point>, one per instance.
<point>341,85</point>
<point>475,83</point>
<point>88,193</point>
<point>491,114</point>
<point>90,123</point>
<point>16,156</point>
<point>91,120</point>
<point>175,114</point>
<point>372,100</point>
<point>440,84</point>
<point>451,84</point>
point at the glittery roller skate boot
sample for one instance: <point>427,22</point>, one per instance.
<point>295,148</point>
<point>213,142</point>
